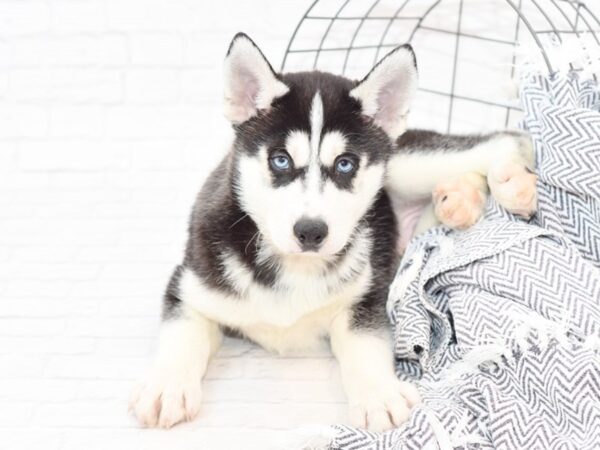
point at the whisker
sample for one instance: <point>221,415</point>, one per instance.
<point>237,221</point>
<point>250,241</point>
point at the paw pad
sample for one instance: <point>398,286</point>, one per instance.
<point>458,203</point>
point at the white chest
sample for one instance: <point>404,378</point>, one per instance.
<point>280,319</point>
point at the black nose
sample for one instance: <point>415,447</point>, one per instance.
<point>310,233</point>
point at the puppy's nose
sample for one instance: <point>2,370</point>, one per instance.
<point>310,233</point>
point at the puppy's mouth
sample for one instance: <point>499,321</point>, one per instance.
<point>300,252</point>
<point>297,252</point>
<point>310,260</point>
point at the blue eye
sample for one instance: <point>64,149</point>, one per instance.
<point>280,162</point>
<point>344,165</point>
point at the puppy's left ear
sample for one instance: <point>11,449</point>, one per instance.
<point>251,84</point>
<point>387,91</point>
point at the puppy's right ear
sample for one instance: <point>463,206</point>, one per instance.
<point>251,84</point>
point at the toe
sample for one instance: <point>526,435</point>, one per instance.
<point>178,405</point>
<point>164,404</point>
<point>385,407</point>
<point>398,409</point>
<point>378,419</point>
<point>410,393</point>
<point>171,411</point>
<point>147,408</point>
<point>192,398</point>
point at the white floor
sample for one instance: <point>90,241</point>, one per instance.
<point>74,396</point>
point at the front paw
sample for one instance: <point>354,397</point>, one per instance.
<point>166,398</point>
<point>383,406</point>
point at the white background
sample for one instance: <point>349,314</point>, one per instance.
<point>110,119</point>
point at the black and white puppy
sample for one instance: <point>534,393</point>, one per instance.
<point>293,238</point>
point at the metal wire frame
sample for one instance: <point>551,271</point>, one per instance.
<point>585,23</point>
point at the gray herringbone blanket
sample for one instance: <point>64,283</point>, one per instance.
<point>500,324</point>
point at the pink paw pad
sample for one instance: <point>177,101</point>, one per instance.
<point>458,203</point>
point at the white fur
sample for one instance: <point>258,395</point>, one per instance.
<point>377,399</point>
<point>297,145</point>
<point>172,392</point>
<point>402,282</point>
<point>311,298</point>
<point>250,84</point>
<point>313,184</point>
<point>309,302</point>
<point>387,92</point>
<point>255,191</point>
<point>312,197</point>
<point>340,209</point>
<point>332,145</point>
<point>316,124</point>
<point>292,314</point>
<point>415,175</point>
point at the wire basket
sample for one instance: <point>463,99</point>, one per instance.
<point>467,50</point>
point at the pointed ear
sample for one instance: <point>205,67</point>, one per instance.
<point>387,91</point>
<point>250,82</point>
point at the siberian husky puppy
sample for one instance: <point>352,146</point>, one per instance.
<point>293,238</point>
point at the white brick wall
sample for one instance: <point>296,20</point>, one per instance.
<point>110,118</point>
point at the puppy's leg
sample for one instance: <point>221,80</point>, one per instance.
<point>377,399</point>
<point>171,393</point>
<point>459,202</point>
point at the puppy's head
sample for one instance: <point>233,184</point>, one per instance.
<point>311,148</point>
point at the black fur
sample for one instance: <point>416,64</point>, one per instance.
<point>413,141</point>
<point>171,302</point>
<point>292,112</point>
<point>219,224</point>
<point>370,312</point>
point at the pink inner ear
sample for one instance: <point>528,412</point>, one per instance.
<point>390,100</point>
<point>246,91</point>
<point>385,99</point>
